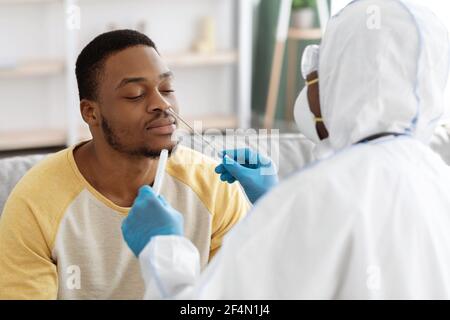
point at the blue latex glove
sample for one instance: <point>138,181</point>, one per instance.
<point>256,173</point>
<point>150,216</point>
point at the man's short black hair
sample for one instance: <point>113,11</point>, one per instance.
<point>92,58</point>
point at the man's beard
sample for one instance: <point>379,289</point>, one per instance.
<point>114,141</point>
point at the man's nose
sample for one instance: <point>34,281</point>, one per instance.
<point>158,103</point>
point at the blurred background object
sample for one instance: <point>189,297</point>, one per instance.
<point>206,43</point>
<point>277,54</point>
<point>303,14</point>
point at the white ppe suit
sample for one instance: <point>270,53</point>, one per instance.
<point>371,219</point>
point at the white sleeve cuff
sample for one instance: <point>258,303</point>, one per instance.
<point>169,266</point>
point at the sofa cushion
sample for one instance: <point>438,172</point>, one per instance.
<point>11,171</point>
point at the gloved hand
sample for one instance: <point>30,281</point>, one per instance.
<point>256,173</point>
<point>150,216</point>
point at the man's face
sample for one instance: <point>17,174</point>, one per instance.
<point>135,90</point>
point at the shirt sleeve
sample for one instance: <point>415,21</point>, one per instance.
<point>27,270</point>
<point>230,207</point>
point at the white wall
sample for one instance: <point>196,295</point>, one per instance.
<point>29,32</point>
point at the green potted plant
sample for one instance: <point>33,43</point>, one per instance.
<point>303,13</point>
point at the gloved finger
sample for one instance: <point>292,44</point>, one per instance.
<point>220,169</point>
<point>264,161</point>
<point>231,180</point>
<point>164,203</point>
<point>163,200</point>
<point>255,159</point>
<point>145,194</point>
<point>244,156</point>
<point>224,176</point>
<point>227,177</point>
<point>145,191</point>
<point>235,154</point>
<point>251,159</point>
<point>234,168</point>
<point>230,152</point>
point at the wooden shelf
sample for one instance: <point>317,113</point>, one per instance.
<point>30,139</point>
<point>192,59</point>
<point>305,34</point>
<point>55,67</point>
<point>33,69</point>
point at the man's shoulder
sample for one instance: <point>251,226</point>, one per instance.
<point>185,157</point>
<point>51,178</point>
<point>189,162</point>
<point>196,170</point>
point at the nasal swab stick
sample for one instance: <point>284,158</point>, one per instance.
<point>176,115</point>
<point>160,171</point>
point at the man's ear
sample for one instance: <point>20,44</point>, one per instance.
<point>90,112</point>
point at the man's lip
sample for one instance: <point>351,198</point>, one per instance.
<point>158,124</point>
<point>163,130</point>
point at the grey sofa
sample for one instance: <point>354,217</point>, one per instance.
<point>11,170</point>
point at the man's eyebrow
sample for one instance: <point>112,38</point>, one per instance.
<point>130,80</point>
<point>125,81</point>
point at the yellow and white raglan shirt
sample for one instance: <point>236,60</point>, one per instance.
<point>61,239</point>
